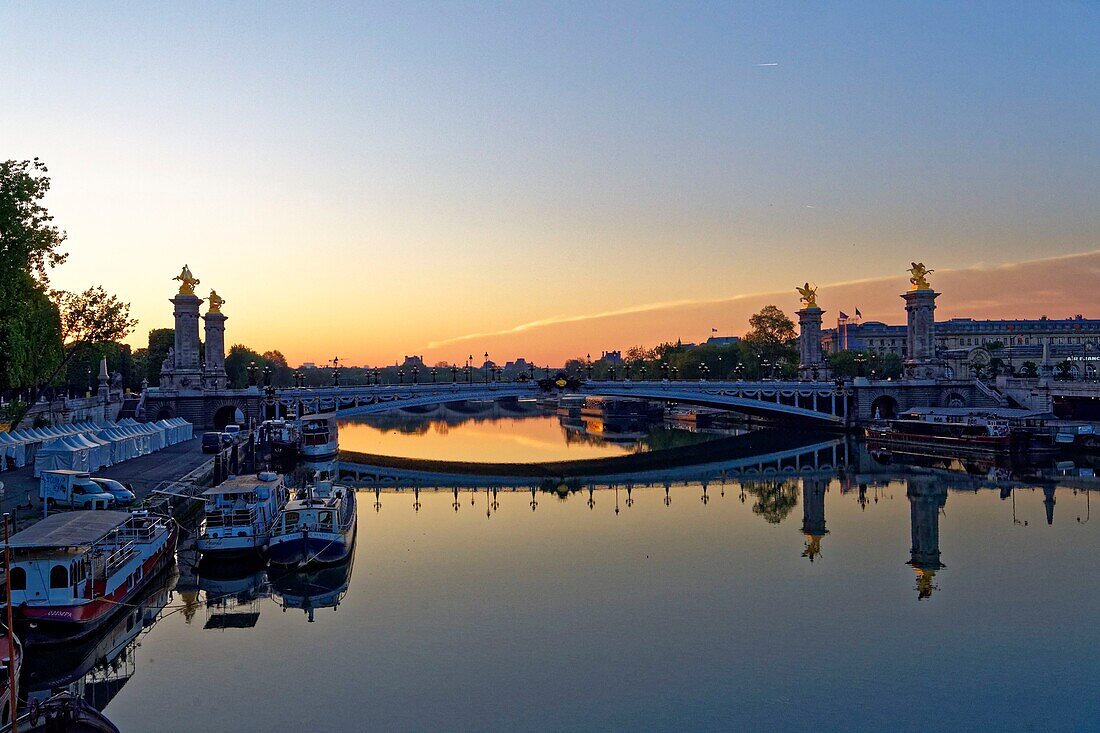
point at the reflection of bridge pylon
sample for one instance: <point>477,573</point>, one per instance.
<point>927,497</point>
<point>813,515</point>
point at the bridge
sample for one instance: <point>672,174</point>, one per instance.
<point>817,402</point>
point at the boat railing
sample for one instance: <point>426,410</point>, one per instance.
<point>143,532</point>
<point>231,517</point>
<point>119,557</point>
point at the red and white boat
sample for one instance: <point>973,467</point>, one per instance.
<point>72,571</point>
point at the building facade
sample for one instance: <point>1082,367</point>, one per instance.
<point>965,342</point>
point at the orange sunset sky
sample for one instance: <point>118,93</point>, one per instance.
<point>546,182</point>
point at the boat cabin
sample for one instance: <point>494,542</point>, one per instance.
<point>243,502</point>
<point>315,510</point>
<point>79,555</point>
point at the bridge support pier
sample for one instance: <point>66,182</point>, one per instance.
<point>811,365</point>
<point>921,361</point>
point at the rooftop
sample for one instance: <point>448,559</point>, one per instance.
<point>69,529</point>
<point>239,484</point>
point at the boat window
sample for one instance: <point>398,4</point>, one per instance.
<point>59,576</point>
<point>291,520</point>
<point>18,579</point>
<point>324,519</point>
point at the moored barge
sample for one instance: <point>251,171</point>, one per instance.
<point>72,571</point>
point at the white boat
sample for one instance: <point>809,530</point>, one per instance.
<point>316,528</point>
<point>318,434</point>
<point>72,571</point>
<point>240,514</point>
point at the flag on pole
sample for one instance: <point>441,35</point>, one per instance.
<point>858,314</point>
<point>843,316</point>
<point>713,330</point>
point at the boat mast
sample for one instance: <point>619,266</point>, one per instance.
<point>13,698</point>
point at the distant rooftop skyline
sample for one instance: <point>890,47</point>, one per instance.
<point>563,179</point>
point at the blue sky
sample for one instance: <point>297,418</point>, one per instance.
<point>493,164</point>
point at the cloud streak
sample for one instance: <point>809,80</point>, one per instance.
<point>1057,286</point>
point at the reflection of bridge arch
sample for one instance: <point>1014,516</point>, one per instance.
<point>815,402</point>
<point>817,458</point>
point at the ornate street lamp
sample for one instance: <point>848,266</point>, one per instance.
<point>664,370</point>
<point>454,374</point>
<point>433,375</point>
<point>416,374</point>
<point>251,374</point>
<point>611,372</point>
<point>400,376</point>
<point>860,359</point>
<point>626,371</point>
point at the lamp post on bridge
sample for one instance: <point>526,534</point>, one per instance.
<point>416,374</point>
<point>400,376</point>
<point>454,374</point>
<point>433,375</point>
<point>664,371</point>
<point>251,369</point>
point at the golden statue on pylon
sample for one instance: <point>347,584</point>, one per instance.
<point>187,281</point>
<point>919,277</point>
<point>808,295</point>
<point>216,302</point>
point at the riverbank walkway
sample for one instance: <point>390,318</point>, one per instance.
<point>143,474</point>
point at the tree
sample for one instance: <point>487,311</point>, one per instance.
<point>771,338</point>
<point>30,333</point>
<point>774,499</point>
<point>275,358</point>
<point>885,366</point>
<point>29,242</point>
<point>29,325</point>
<point>1029,369</point>
<point>236,364</point>
<point>160,341</point>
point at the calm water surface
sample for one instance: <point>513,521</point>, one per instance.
<point>492,435</point>
<point>924,601</point>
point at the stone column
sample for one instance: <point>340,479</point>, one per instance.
<point>105,389</point>
<point>186,372</point>
<point>809,343</point>
<point>215,350</point>
<point>921,361</point>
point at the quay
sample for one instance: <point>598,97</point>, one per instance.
<point>183,462</point>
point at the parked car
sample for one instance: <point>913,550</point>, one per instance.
<point>212,442</point>
<point>123,496</point>
<point>72,490</point>
<point>234,432</point>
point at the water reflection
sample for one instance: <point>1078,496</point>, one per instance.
<point>522,431</point>
<point>96,668</point>
<point>479,580</point>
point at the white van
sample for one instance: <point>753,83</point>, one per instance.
<point>72,490</point>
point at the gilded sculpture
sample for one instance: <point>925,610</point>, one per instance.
<point>216,302</point>
<point>187,281</point>
<point>919,276</point>
<point>808,295</point>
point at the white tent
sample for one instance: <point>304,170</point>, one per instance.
<point>123,447</point>
<point>58,454</point>
<point>12,450</point>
